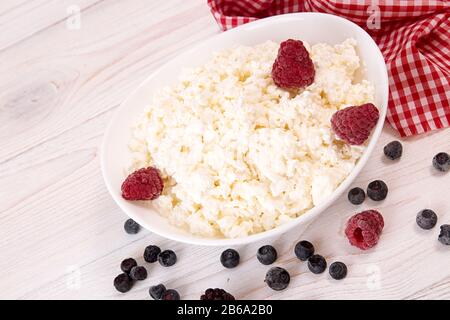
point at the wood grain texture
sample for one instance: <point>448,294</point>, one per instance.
<point>61,232</point>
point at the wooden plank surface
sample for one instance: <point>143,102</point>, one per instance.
<point>61,232</point>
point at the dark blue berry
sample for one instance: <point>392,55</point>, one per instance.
<point>303,250</point>
<point>171,295</point>
<point>393,150</point>
<point>167,258</point>
<point>157,292</point>
<point>138,273</point>
<point>377,190</point>
<point>338,270</point>
<point>131,226</point>
<point>123,282</point>
<point>151,253</point>
<point>127,265</point>
<point>444,235</point>
<point>317,264</point>
<point>229,258</point>
<point>441,161</point>
<point>426,219</point>
<point>277,278</point>
<point>267,255</point>
<point>356,196</point>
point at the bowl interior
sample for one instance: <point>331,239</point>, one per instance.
<point>311,27</point>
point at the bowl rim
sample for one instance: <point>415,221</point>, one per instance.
<point>308,215</point>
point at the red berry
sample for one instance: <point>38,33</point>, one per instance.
<point>364,229</point>
<point>354,124</point>
<point>293,68</point>
<point>143,184</point>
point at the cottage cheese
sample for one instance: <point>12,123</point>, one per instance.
<point>239,155</point>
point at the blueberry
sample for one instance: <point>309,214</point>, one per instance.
<point>277,278</point>
<point>171,295</point>
<point>317,264</point>
<point>377,190</point>
<point>131,226</point>
<point>441,161</point>
<point>151,254</point>
<point>338,270</point>
<point>138,273</point>
<point>267,255</point>
<point>444,236</point>
<point>123,282</point>
<point>426,219</point>
<point>157,292</point>
<point>127,264</point>
<point>356,196</point>
<point>167,258</point>
<point>303,250</point>
<point>393,150</point>
<point>229,258</point>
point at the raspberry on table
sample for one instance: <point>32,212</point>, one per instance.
<point>364,229</point>
<point>293,67</point>
<point>354,124</point>
<point>426,219</point>
<point>216,294</point>
<point>393,150</point>
<point>277,278</point>
<point>229,258</point>
<point>356,196</point>
<point>303,250</point>
<point>266,255</point>
<point>143,184</point>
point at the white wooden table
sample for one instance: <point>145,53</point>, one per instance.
<point>61,234</point>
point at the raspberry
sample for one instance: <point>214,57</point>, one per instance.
<point>293,68</point>
<point>354,124</point>
<point>143,184</point>
<point>364,229</point>
<point>216,294</point>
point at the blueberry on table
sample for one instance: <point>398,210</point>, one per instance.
<point>131,226</point>
<point>441,161</point>
<point>277,278</point>
<point>229,258</point>
<point>317,264</point>
<point>303,250</point>
<point>377,190</point>
<point>138,273</point>
<point>157,292</point>
<point>393,150</point>
<point>127,265</point>
<point>171,294</point>
<point>123,282</point>
<point>426,219</point>
<point>151,253</point>
<point>267,255</point>
<point>444,235</point>
<point>338,270</point>
<point>356,196</point>
<point>216,294</point>
<point>167,258</point>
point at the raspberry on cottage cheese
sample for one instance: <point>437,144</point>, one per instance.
<point>238,154</point>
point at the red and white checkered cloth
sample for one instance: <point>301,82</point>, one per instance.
<point>413,35</point>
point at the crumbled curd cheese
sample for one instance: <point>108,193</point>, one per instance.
<point>240,155</point>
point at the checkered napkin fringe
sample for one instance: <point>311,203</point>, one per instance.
<point>413,35</point>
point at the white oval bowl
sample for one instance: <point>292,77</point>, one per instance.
<point>310,27</point>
